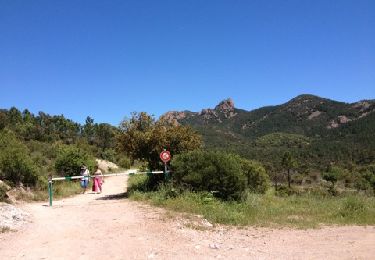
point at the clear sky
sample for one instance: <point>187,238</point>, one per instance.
<point>108,58</point>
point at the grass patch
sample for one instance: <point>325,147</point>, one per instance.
<point>269,210</point>
<point>61,189</point>
<point>67,188</point>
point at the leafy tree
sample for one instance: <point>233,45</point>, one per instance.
<point>3,120</point>
<point>15,116</point>
<point>88,129</point>
<point>104,136</point>
<point>70,159</point>
<point>289,163</point>
<point>142,138</point>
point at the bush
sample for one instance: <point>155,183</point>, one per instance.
<point>284,191</point>
<point>124,162</point>
<point>257,179</point>
<point>70,159</point>
<point>352,205</point>
<point>216,172</point>
<point>109,155</point>
<point>366,178</point>
<point>3,191</point>
<point>333,174</point>
<point>16,166</point>
<point>137,182</point>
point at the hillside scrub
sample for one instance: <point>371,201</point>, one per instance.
<point>268,210</point>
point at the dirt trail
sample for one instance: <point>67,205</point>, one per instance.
<point>108,226</point>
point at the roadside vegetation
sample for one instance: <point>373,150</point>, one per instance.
<point>309,209</point>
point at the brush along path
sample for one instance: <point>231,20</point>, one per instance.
<point>108,226</point>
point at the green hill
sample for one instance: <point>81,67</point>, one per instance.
<point>317,130</point>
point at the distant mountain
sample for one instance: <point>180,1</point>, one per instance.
<point>305,117</point>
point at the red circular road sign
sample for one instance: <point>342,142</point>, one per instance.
<point>165,156</point>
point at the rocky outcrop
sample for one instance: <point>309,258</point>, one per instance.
<point>208,114</point>
<point>339,121</point>
<point>225,106</point>
<point>332,124</point>
<point>343,119</point>
<point>224,109</point>
<point>314,114</point>
<point>362,105</point>
<point>172,117</point>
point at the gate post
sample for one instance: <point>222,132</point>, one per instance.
<point>50,190</point>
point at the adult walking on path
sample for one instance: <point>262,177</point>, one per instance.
<point>98,180</point>
<point>84,182</point>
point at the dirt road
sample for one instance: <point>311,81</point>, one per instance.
<point>109,226</point>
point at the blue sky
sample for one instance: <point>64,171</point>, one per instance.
<point>108,58</point>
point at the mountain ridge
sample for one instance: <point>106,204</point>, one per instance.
<point>302,107</point>
<point>332,128</point>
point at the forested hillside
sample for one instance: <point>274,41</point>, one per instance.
<point>317,131</point>
<point>34,146</point>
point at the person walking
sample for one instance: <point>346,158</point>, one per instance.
<point>98,180</point>
<point>85,179</point>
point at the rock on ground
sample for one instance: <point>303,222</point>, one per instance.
<point>12,217</point>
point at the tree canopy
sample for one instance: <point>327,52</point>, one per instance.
<point>143,138</point>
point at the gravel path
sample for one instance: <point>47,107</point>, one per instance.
<point>109,226</point>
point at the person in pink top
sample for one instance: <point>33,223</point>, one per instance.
<point>97,185</point>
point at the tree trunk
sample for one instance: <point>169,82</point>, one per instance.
<point>288,178</point>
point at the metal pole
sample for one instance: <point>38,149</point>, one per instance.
<point>50,190</point>
<point>166,173</point>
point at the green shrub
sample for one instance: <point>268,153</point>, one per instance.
<point>3,195</point>
<point>109,155</point>
<point>70,159</point>
<point>284,191</point>
<point>137,182</point>
<point>143,166</point>
<point>366,179</point>
<point>257,179</point>
<point>154,181</point>
<point>352,205</point>
<point>333,174</point>
<point>16,165</point>
<point>210,171</point>
<point>124,162</point>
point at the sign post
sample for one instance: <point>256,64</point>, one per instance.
<point>165,156</point>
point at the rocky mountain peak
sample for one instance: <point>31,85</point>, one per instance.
<point>225,106</point>
<point>172,117</point>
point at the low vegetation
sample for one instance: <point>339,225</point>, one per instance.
<point>307,210</point>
